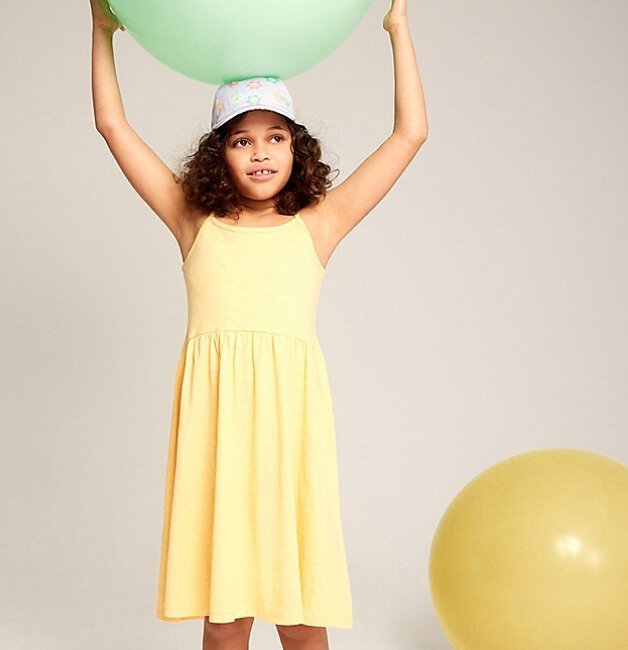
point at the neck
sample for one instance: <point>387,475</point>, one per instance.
<point>258,208</point>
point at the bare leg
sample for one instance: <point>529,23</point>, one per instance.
<point>227,636</point>
<point>303,637</point>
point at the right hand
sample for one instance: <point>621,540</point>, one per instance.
<point>103,17</point>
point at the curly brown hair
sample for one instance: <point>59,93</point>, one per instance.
<point>207,185</point>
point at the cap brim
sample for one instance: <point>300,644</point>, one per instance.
<point>240,111</point>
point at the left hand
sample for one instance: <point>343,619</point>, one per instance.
<point>102,16</point>
<point>397,15</point>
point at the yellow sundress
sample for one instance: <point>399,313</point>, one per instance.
<point>252,521</point>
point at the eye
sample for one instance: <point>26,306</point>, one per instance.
<point>276,135</point>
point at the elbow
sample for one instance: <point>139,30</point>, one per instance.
<point>105,127</point>
<point>102,128</point>
<point>420,138</point>
<point>414,139</point>
<point>420,132</point>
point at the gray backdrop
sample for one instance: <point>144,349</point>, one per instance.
<point>479,311</point>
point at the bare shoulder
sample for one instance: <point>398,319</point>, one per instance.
<point>319,219</point>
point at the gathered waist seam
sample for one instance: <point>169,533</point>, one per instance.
<point>254,331</point>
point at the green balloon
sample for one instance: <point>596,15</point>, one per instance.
<point>216,41</point>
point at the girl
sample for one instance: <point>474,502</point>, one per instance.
<point>252,522</point>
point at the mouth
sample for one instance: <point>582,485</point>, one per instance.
<point>262,172</point>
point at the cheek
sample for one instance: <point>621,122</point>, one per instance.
<point>233,164</point>
<point>288,157</point>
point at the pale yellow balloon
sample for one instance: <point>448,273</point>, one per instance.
<point>532,554</point>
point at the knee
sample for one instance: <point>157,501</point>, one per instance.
<point>240,628</point>
<point>302,632</point>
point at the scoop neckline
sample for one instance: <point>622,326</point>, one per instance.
<point>230,226</point>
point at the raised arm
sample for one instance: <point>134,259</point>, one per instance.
<point>348,203</point>
<point>143,168</point>
<point>108,108</point>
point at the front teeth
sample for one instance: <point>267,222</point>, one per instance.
<point>261,173</point>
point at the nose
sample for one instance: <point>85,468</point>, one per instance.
<point>259,153</point>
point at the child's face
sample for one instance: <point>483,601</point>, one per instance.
<point>260,140</point>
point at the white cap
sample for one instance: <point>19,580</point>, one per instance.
<point>236,97</point>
